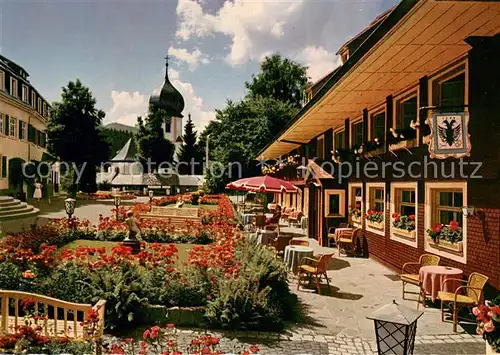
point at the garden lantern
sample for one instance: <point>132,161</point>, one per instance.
<point>118,201</point>
<point>69,206</point>
<point>151,193</point>
<point>395,328</point>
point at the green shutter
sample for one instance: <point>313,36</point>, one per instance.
<point>44,140</point>
<point>6,125</point>
<point>20,130</point>
<point>4,167</point>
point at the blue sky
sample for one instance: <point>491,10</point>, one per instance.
<point>117,47</point>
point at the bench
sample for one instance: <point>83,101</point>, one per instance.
<point>177,216</point>
<point>61,318</point>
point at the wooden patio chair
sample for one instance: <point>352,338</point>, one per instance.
<point>472,297</point>
<point>331,232</point>
<point>317,269</point>
<point>347,240</point>
<point>304,243</point>
<point>260,221</point>
<point>407,277</point>
<point>281,242</point>
<point>294,218</point>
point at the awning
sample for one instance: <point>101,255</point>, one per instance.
<point>409,44</point>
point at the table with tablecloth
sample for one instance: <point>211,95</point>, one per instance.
<point>247,218</point>
<point>294,254</point>
<point>263,236</point>
<point>303,223</point>
<point>432,279</point>
<point>338,232</point>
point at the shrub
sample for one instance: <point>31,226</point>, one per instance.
<point>10,274</point>
<point>195,198</point>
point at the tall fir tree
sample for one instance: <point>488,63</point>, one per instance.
<point>190,151</point>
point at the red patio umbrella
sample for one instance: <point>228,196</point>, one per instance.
<point>262,184</point>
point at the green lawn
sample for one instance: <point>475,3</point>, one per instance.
<point>188,205</point>
<point>183,248</point>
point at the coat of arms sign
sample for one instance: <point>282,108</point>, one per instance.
<point>449,135</point>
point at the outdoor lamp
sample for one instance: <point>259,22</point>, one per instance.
<point>468,211</point>
<point>118,200</point>
<point>395,328</point>
<point>69,206</point>
<point>151,193</point>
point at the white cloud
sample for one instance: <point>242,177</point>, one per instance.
<point>319,61</point>
<point>127,106</point>
<point>191,58</point>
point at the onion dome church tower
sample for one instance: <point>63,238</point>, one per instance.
<point>169,99</point>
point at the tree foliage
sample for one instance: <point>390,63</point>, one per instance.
<point>74,133</point>
<point>281,79</point>
<point>151,141</point>
<point>190,151</point>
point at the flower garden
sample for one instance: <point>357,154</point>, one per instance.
<point>225,281</point>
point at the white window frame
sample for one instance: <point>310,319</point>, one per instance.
<point>403,186</point>
<point>33,99</point>
<point>373,185</point>
<point>2,124</point>
<point>441,76</point>
<point>341,194</point>
<point>39,106</point>
<point>352,200</point>
<point>429,201</point>
<point>13,87</point>
<point>25,93</point>
<point>351,130</point>
<point>13,120</point>
<point>2,80</point>
<point>24,129</point>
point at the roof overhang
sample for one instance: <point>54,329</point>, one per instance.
<point>427,35</point>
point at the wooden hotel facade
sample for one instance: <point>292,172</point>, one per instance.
<point>413,112</point>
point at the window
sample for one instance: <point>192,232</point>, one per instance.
<point>2,81</point>
<point>33,99</point>
<point>443,204</point>
<point>404,203</point>
<point>1,124</point>
<point>449,207</point>
<point>406,112</point>
<point>357,134</point>
<point>23,130</point>
<point>39,106</point>
<point>355,203</point>
<point>13,87</point>
<point>375,207</point>
<point>339,140</point>
<point>4,166</point>
<point>334,203</point>
<point>378,127</point>
<point>25,93</point>
<point>167,127</point>
<point>12,127</point>
<point>44,109</point>
<point>320,148</point>
<point>452,92</point>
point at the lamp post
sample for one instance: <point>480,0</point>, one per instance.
<point>117,200</point>
<point>395,328</point>
<point>69,206</point>
<point>151,193</point>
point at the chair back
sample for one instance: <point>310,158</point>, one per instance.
<point>343,225</point>
<point>429,260</point>
<point>478,281</point>
<point>304,243</point>
<point>260,220</point>
<point>282,242</point>
<point>323,262</point>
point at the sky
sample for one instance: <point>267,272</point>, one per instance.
<point>117,47</point>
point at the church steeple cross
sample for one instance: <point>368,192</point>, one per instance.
<point>167,57</point>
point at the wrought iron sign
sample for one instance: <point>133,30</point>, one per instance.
<point>449,135</point>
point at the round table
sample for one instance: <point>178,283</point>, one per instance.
<point>294,254</point>
<point>433,277</point>
<point>303,223</point>
<point>262,236</point>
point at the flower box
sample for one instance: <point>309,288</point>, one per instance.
<point>356,219</point>
<point>403,233</point>
<point>375,225</point>
<point>406,144</point>
<point>441,244</point>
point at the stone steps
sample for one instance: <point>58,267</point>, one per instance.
<point>11,209</point>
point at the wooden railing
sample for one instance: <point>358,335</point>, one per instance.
<point>58,318</point>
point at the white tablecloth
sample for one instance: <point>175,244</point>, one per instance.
<point>247,218</point>
<point>294,254</point>
<point>263,236</point>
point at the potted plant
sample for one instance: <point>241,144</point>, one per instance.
<point>488,318</point>
<point>447,237</point>
<point>355,213</point>
<point>375,219</point>
<point>404,226</point>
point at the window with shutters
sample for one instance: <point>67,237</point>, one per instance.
<point>12,127</point>
<point>23,130</point>
<point>25,93</point>
<point>357,134</point>
<point>1,123</point>
<point>377,128</point>
<point>13,87</point>
<point>4,167</point>
<point>2,81</point>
